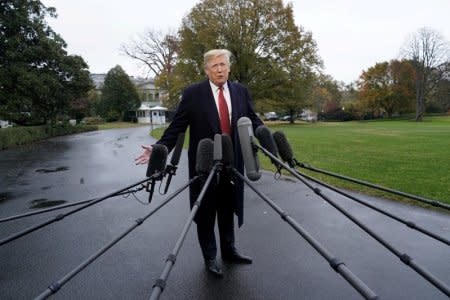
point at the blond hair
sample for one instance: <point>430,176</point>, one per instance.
<point>214,53</point>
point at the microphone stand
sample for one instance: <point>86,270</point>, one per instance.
<point>404,257</point>
<point>160,283</point>
<point>150,188</point>
<point>171,171</point>
<point>408,223</point>
<point>56,286</point>
<point>374,186</point>
<point>172,167</point>
<point>46,210</point>
<point>62,216</point>
<point>335,263</point>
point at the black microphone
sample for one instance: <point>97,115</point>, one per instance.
<point>266,140</point>
<point>217,155</point>
<point>156,165</point>
<point>172,167</point>
<point>227,151</point>
<point>205,156</point>
<point>285,149</point>
<point>175,159</point>
<point>251,162</point>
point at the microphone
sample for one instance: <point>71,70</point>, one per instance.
<point>156,165</point>
<point>175,159</point>
<point>171,169</point>
<point>266,140</point>
<point>285,148</point>
<point>227,151</point>
<point>217,153</point>
<point>205,156</point>
<point>251,162</point>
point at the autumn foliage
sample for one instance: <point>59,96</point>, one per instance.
<point>387,88</point>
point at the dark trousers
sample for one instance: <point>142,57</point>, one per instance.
<point>218,201</point>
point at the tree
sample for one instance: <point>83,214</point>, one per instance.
<point>158,52</point>
<point>272,56</point>
<point>439,99</point>
<point>427,50</point>
<point>119,95</point>
<point>387,87</point>
<point>38,79</point>
<point>325,90</point>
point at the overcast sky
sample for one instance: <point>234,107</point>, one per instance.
<point>351,35</point>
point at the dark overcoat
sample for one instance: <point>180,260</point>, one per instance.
<point>198,111</point>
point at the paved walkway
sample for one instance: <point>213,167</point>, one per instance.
<point>89,165</point>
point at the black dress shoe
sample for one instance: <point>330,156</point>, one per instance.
<point>213,268</point>
<point>234,257</point>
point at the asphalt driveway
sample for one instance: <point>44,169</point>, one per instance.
<point>89,165</point>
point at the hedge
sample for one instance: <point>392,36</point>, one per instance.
<point>16,136</point>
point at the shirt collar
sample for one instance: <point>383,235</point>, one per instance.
<point>216,87</point>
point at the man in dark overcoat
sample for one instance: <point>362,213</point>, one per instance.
<point>207,108</point>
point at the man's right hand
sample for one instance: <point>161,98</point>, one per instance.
<point>145,156</point>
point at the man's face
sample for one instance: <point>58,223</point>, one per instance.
<point>217,70</point>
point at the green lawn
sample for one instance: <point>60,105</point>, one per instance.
<point>404,155</point>
<point>114,125</point>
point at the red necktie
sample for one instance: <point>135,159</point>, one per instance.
<point>223,112</point>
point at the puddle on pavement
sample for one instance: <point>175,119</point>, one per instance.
<point>58,169</point>
<point>43,203</point>
<point>4,197</point>
<point>90,133</point>
<point>288,179</point>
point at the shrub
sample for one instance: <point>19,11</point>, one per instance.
<point>112,116</point>
<point>92,120</point>
<point>16,136</point>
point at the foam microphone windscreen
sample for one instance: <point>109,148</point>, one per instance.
<point>177,150</point>
<point>217,156</point>
<point>251,161</point>
<point>227,151</point>
<point>283,146</point>
<point>157,161</point>
<point>205,153</point>
<point>265,138</point>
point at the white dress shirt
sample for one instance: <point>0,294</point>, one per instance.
<point>226,94</point>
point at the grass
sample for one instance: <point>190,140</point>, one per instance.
<point>17,136</point>
<point>413,157</point>
<point>114,125</point>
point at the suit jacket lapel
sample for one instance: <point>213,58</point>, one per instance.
<point>211,113</point>
<point>234,103</point>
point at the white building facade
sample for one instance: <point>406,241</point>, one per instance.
<point>151,110</point>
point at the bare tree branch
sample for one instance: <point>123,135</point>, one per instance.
<point>155,49</point>
<point>427,50</point>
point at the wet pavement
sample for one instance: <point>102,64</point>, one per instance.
<point>90,165</point>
